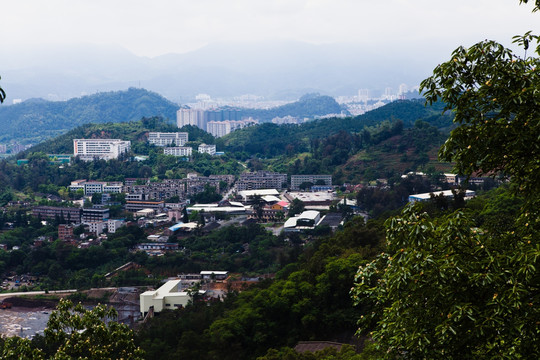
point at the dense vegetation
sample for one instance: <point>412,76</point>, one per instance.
<point>308,301</point>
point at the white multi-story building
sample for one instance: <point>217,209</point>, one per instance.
<point>209,149</point>
<point>164,139</point>
<point>114,224</point>
<point>113,188</point>
<point>178,151</point>
<point>90,149</point>
<point>97,227</point>
<point>261,180</point>
<point>92,187</point>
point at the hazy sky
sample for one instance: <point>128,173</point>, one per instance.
<point>152,28</point>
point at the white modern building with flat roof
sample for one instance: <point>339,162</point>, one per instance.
<point>178,151</point>
<point>106,149</point>
<point>165,139</point>
<point>166,297</point>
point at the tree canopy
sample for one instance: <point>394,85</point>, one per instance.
<point>449,287</point>
<point>74,332</point>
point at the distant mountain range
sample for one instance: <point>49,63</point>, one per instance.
<point>276,70</point>
<point>36,120</point>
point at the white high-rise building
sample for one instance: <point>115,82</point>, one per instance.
<point>192,117</point>
<point>106,149</point>
<point>164,139</point>
<point>403,88</point>
<point>363,95</point>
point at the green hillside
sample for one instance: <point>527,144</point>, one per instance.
<point>309,105</point>
<point>270,140</point>
<point>38,120</point>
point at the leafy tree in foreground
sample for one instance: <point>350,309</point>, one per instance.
<point>76,333</point>
<point>2,95</point>
<point>444,290</point>
<point>494,95</point>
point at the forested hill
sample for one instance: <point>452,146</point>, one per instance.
<point>270,140</point>
<point>38,120</point>
<point>309,105</point>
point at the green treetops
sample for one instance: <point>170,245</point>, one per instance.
<point>74,332</point>
<point>494,95</point>
<point>445,290</point>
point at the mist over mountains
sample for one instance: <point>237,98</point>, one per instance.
<point>276,70</point>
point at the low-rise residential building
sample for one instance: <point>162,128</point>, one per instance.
<point>158,246</point>
<point>136,205</point>
<point>92,187</point>
<point>214,275</point>
<point>65,231</point>
<point>67,214</point>
<point>97,227</point>
<point>114,224</point>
